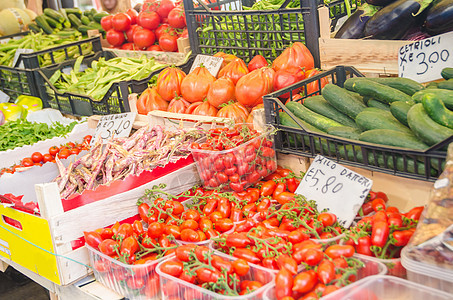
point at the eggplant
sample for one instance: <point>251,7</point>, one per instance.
<point>379,2</point>
<point>440,17</point>
<point>393,21</point>
<point>354,25</point>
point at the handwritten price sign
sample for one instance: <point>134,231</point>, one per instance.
<point>118,125</point>
<point>336,188</point>
<point>423,60</point>
<point>211,63</point>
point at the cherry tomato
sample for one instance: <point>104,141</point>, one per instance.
<point>247,255</point>
<point>108,247</point>
<point>326,271</point>
<point>224,225</point>
<point>283,284</point>
<point>37,157</point>
<point>27,162</point>
<point>92,238</point>
<point>172,267</point>
<point>47,157</point>
<point>241,266</point>
<point>64,153</point>
<point>305,281</point>
<point>327,219</point>
<point>54,150</point>
<point>189,235</point>
<point>379,233</point>
<point>183,252</point>
<point>336,251</point>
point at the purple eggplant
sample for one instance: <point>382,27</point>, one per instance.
<point>354,25</point>
<point>379,2</point>
<point>393,21</point>
<point>440,17</point>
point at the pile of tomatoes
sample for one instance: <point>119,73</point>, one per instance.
<point>198,265</point>
<point>156,28</point>
<point>38,158</point>
<point>249,157</point>
<point>326,270</point>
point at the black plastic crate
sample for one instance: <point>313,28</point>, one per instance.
<point>338,9</point>
<point>234,29</point>
<point>424,165</point>
<point>114,101</point>
<point>16,81</point>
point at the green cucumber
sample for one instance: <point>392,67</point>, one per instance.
<point>286,120</point>
<point>74,11</point>
<point>446,85</point>
<point>41,21</point>
<point>344,132</point>
<point>399,110</point>
<point>66,23</point>
<point>74,20</point>
<point>96,26</point>
<point>34,27</point>
<point>437,111</point>
<point>447,73</point>
<point>53,23</point>
<point>405,85</point>
<point>342,100</point>
<point>319,105</point>
<point>85,20</point>
<point>379,104</point>
<point>391,137</point>
<point>379,110</point>
<point>97,17</point>
<point>432,85</point>
<point>445,95</point>
<point>54,15</point>
<point>357,96</point>
<point>317,120</point>
<point>425,128</point>
<point>381,92</point>
<point>368,120</point>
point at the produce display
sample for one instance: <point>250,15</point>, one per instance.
<point>156,28</point>
<point>38,42</point>
<point>97,80</point>
<point>19,133</point>
<point>67,22</point>
<point>415,20</point>
<point>144,150</point>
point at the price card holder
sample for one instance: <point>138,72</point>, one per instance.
<point>423,60</point>
<point>211,63</point>
<point>117,125</point>
<point>335,188</point>
<point>16,57</point>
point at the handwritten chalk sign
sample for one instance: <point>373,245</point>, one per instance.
<point>117,125</point>
<point>16,57</point>
<point>423,60</point>
<point>211,63</point>
<point>336,188</point>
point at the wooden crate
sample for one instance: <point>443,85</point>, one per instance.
<point>44,243</point>
<point>368,56</point>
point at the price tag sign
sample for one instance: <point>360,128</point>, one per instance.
<point>423,60</point>
<point>211,63</point>
<point>118,125</point>
<point>336,188</point>
<point>16,57</point>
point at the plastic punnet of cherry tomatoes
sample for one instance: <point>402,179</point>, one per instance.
<point>199,265</point>
<point>234,158</point>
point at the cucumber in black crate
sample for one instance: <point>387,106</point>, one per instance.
<point>319,105</point>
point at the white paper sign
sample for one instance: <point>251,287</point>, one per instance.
<point>117,125</point>
<point>3,97</point>
<point>336,188</point>
<point>211,63</point>
<point>16,57</point>
<point>423,60</point>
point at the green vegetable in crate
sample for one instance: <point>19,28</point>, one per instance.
<point>405,85</point>
<point>317,120</point>
<point>374,119</point>
<point>448,84</point>
<point>344,132</point>
<point>437,110</point>
<point>393,138</point>
<point>447,73</point>
<point>342,100</point>
<point>399,110</point>
<point>97,80</point>
<point>21,132</point>
<point>381,92</point>
<point>319,105</point>
<point>425,128</point>
<point>445,95</point>
<point>379,104</point>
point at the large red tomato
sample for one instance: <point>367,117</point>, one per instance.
<point>143,38</point>
<point>121,22</point>
<point>115,38</point>
<point>205,109</point>
<point>150,5</point>
<point>313,87</point>
<point>195,86</point>
<point>150,100</point>
<point>235,111</point>
<point>178,105</point>
<point>257,62</point>
<point>221,91</point>
<point>169,83</point>
<point>168,42</point>
<point>148,19</point>
<point>177,18</point>
<point>251,88</point>
<point>132,13</point>
<point>283,78</point>
<point>294,58</point>
<point>227,58</point>
<point>106,22</point>
<point>163,28</point>
<point>164,8</point>
<point>234,70</point>
<point>130,32</point>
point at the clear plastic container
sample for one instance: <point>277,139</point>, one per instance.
<point>131,281</point>
<point>385,287</point>
<point>425,273</point>
<point>371,267</point>
<point>175,288</point>
<point>394,266</point>
<point>220,168</point>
